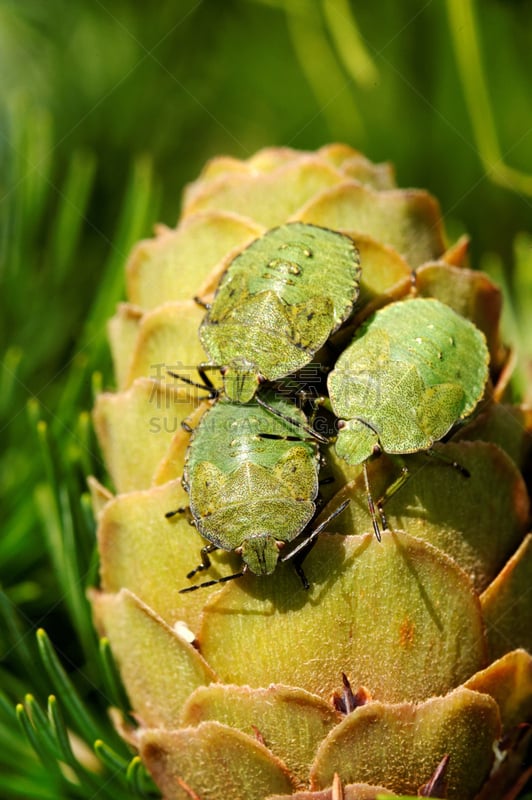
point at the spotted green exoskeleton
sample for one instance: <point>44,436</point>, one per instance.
<point>278,303</point>
<point>412,371</point>
<point>252,479</point>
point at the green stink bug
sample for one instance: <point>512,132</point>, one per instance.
<point>278,303</point>
<point>413,370</point>
<point>252,478</point>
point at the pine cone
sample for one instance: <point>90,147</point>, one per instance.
<point>404,665</point>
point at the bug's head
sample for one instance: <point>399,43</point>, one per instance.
<point>241,380</point>
<point>357,441</point>
<point>260,553</point>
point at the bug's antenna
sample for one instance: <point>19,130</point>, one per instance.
<point>296,423</point>
<point>316,532</point>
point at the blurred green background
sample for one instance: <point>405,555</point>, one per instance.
<point>108,108</point>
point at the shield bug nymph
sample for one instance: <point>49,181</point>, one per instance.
<point>412,371</point>
<point>278,303</point>
<point>252,479</point>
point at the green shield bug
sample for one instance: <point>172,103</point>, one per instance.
<point>252,479</point>
<point>412,370</point>
<point>278,303</point>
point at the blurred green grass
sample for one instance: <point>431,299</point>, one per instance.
<point>107,110</point>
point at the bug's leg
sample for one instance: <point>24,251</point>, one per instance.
<point>312,400</point>
<point>205,560</point>
<point>206,385</point>
<point>326,475</point>
<point>319,402</point>
<point>324,479</point>
<point>170,514</point>
<point>372,508</point>
<point>405,474</point>
<point>301,575</point>
<point>322,419</point>
<point>202,370</point>
<point>200,302</point>
<point>213,582</point>
<point>185,510</point>
<point>449,462</point>
<point>392,489</point>
<point>315,402</point>
<point>297,563</point>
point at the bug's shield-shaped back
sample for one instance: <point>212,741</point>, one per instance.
<point>399,414</point>
<point>279,301</point>
<point>439,408</point>
<point>412,371</point>
<point>277,339</point>
<point>251,500</point>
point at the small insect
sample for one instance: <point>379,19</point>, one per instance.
<point>252,478</point>
<point>413,370</point>
<point>278,303</point>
